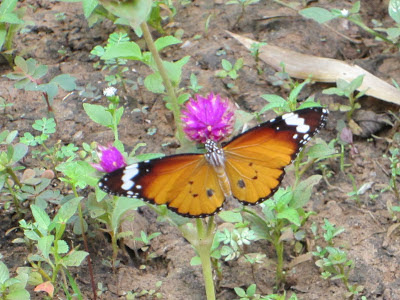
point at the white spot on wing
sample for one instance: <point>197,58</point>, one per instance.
<point>302,128</point>
<point>129,173</point>
<point>286,116</point>
<point>294,120</point>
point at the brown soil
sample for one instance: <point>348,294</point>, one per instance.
<point>375,253</point>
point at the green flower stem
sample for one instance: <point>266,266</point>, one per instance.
<point>356,20</point>
<point>205,240</point>
<point>167,83</point>
<point>280,275</point>
<point>13,176</point>
<point>202,239</point>
<point>115,123</point>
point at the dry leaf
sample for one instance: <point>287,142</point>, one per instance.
<point>322,69</point>
<point>45,287</point>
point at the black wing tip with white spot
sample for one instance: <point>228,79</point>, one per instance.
<point>112,183</point>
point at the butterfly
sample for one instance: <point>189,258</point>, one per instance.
<point>249,168</point>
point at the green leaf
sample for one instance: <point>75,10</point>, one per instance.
<point>195,261</point>
<point>240,292</point>
<point>238,64</point>
<point>20,150</point>
<point>40,71</point>
<point>46,126</point>
<point>275,101</point>
<point>302,193</point>
<point>154,83</point>
<point>174,69</point>
<point>98,114</point>
<point>320,150</point>
<point>65,81</point>
<point>230,216</point>
<point>3,34</point>
<point>20,294</point>
<point>7,6</point>
<point>135,12</point>
<point>44,245</point>
<point>394,10</point>
<point>258,225</point>
<point>226,65</point>
<point>355,8</point>
<point>251,290</point>
<point>67,210</point>
<point>11,136</point>
<point>126,50</point>
<point>291,215</point>
<point>10,18</point>
<point>75,258</point>
<point>317,14</point>
<point>4,273</point>
<point>21,63</point>
<point>118,114</point>
<point>62,247</point>
<point>41,217</point>
<point>166,41</point>
<point>87,5</point>
<point>122,205</point>
<point>78,173</point>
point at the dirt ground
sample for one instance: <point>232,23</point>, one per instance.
<point>366,227</point>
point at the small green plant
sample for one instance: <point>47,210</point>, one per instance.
<point>333,261</point>
<point>281,105</point>
<point>146,240</point>
<point>10,23</point>
<point>234,241</point>
<point>115,66</point>
<point>281,214</point>
<point>230,70</point>
<point>9,168</point>
<point>4,104</point>
<point>255,52</point>
<point>28,75</point>
<point>394,159</point>
<point>55,154</point>
<point>112,214</point>
<point>250,294</point>
<point>323,16</point>
<point>347,89</point>
<point>243,5</point>
<point>165,77</point>
<point>194,85</point>
<point>12,287</point>
<point>53,255</point>
<point>149,294</point>
<point>357,192</point>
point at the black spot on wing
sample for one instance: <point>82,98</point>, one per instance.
<point>241,183</point>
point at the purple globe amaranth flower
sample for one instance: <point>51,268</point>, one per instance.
<point>210,118</point>
<point>110,159</point>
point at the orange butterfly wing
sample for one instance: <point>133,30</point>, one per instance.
<point>186,183</point>
<point>255,160</point>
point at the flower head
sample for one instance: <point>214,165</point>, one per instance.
<point>210,118</point>
<point>110,159</point>
<point>110,91</point>
<point>344,12</point>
